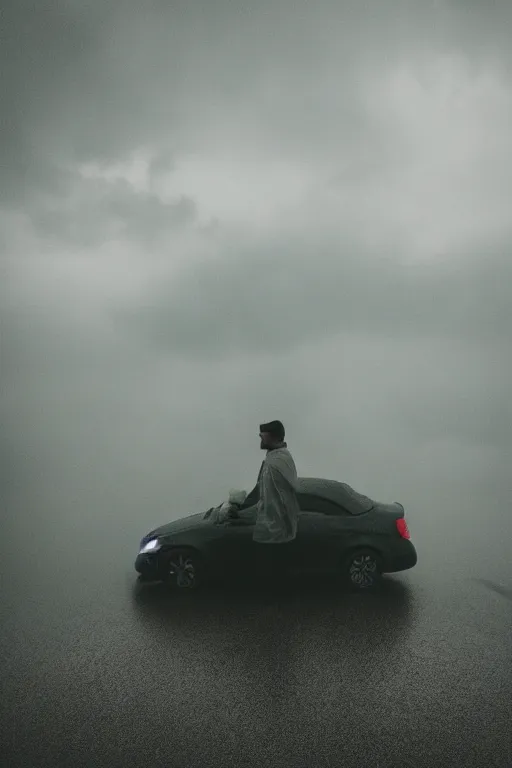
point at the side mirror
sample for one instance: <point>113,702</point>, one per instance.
<point>237,497</point>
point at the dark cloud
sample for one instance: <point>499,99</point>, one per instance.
<point>110,210</point>
<point>42,50</point>
<point>98,80</point>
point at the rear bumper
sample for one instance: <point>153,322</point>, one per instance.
<point>401,558</point>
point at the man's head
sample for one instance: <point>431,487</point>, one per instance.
<point>271,435</point>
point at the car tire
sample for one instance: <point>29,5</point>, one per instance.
<point>182,569</point>
<point>362,569</point>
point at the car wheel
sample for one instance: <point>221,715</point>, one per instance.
<point>363,569</point>
<point>182,569</point>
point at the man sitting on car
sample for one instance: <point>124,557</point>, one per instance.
<point>273,504</point>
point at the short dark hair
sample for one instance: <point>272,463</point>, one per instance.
<point>275,428</point>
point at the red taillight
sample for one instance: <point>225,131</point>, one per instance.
<point>402,528</point>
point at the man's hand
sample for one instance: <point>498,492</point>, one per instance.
<point>228,511</point>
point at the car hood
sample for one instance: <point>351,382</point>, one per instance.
<point>183,524</point>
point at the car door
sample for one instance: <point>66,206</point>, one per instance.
<point>322,534</point>
<point>231,550</point>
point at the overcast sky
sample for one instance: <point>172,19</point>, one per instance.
<point>218,213</point>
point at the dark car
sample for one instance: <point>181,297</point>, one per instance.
<point>340,532</point>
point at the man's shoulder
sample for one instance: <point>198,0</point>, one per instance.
<point>277,453</point>
<point>280,458</point>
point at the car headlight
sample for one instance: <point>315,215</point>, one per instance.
<point>153,545</point>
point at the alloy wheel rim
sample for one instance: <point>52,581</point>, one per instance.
<point>363,570</point>
<point>184,572</point>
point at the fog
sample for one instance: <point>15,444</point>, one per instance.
<point>214,216</point>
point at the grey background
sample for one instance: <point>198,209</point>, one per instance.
<point>217,214</point>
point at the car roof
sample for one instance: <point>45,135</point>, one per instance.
<point>339,493</point>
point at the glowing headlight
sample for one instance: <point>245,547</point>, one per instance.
<point>150,546</point>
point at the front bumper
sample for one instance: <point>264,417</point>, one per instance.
<point>147,565</point>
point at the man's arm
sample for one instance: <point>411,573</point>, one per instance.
<point>252,498</point>
<point>248,513</point>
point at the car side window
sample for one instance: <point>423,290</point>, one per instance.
<point>315,504</point>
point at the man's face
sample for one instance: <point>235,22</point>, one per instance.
<point>266,441</point>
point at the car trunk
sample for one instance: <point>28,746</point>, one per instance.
<point>394,514</point>
<point>394,510</point>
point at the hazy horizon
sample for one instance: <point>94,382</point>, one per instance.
<point>212,217</point>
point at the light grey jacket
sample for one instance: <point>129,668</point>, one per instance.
<point>277,510</point>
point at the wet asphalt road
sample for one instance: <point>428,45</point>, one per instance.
<point>100,671</point>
